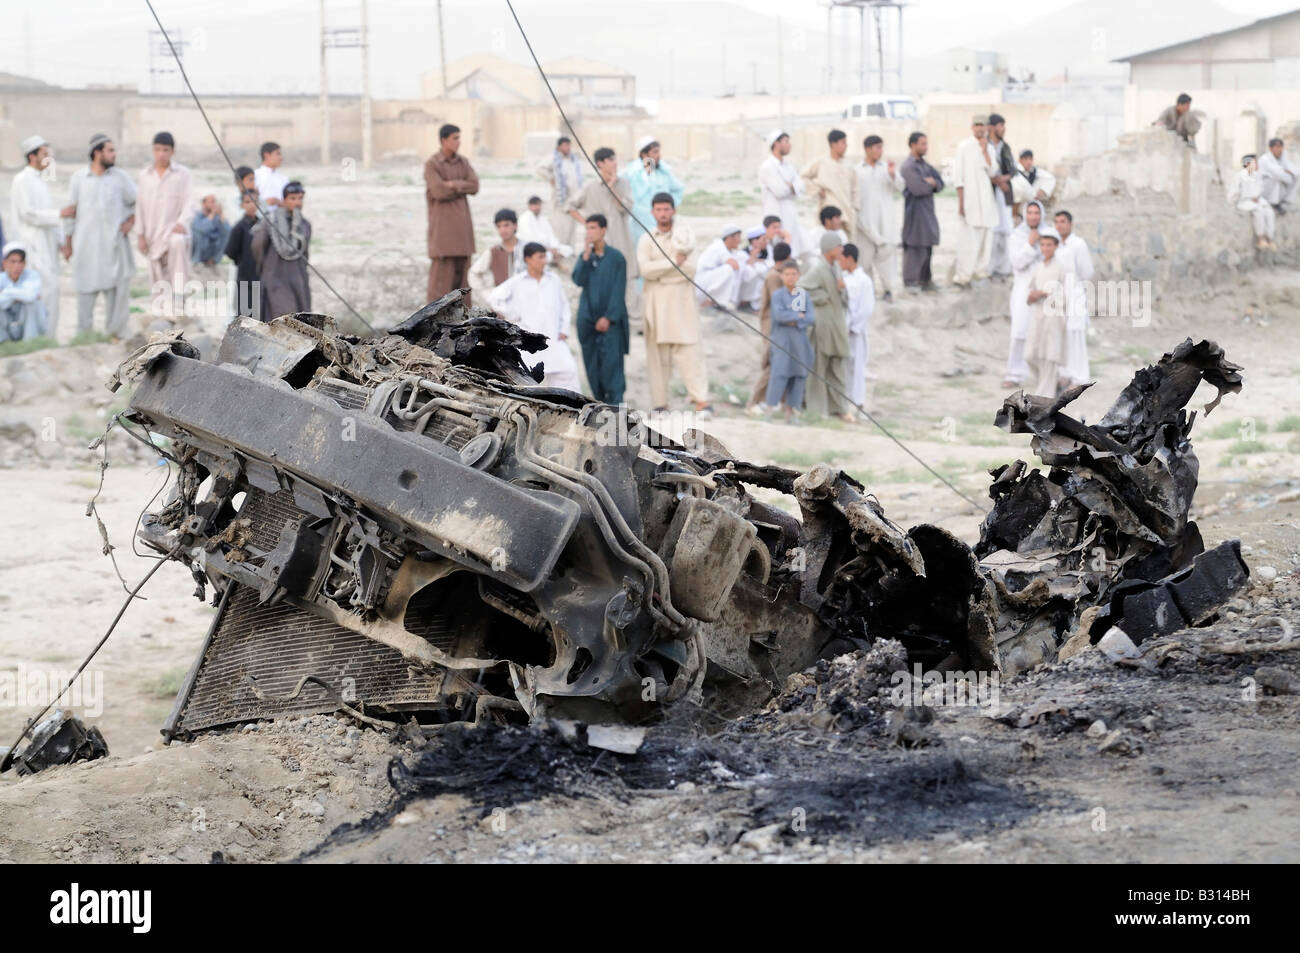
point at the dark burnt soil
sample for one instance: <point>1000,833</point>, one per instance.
<point>1186,754</point>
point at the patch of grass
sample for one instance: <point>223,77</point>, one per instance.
<point>798,458</point>
<point>1288,423</point>
<point>14,348</point>
<point>82,338</point>
<point>77,426</point>
<point>1230,429</point>
<point>164,685</point>
<point>1249,446</point>
<point>702,202</point>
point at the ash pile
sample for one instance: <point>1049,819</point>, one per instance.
<point>409,525</point>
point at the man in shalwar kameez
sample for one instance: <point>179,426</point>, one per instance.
<point>37,223</point>
<point>102,199</point>
<point>973,171</point>
<point>601,273</point>
<point>1022,248</point>
<point>828,386</point>
<point>164,211</point>
<point>647,175</point>
<point>782,187</point>
<point>672,319</point>
<point>875,226</point>
<point>1076,261</point>
<point>281,247</point>
<point>610,195</point>
<point>535,300</point>
<point>22,312</point>
<point>833,181</point>
<point>1045,345</point>
<point>723,269</point>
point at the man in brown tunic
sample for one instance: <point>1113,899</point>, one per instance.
<point>448,179</point>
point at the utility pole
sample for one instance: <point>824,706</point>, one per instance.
<point>442,49</point>
<point>830,59</point>
<point>366,140</point>
<point>324,94</point>
<point>345,38</point>
<point>864,40</point>
<point>780,72</point>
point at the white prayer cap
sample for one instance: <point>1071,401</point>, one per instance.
<point>1047,231</point>
<point>828,241</point>
<point>31,144</point>
<point>772,136</point>
<point>644,143</point>
<point>979,120</point>
<point>728,230</point>
<point>755,232</point>
<point>12,247</point>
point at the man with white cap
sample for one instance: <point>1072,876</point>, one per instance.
<point>648,175</point>
<point>759,257</point>
<point>1045,343</point>
<point>102,201</point>
<point>782,186</point>
<point>973,170</point>
<point>22,312</point>
<point>37,223</point>
<point>723,269</point>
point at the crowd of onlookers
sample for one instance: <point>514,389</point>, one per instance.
<point>266,249</point>
<point>615,233</point>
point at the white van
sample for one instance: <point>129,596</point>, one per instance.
<point>881,106</point>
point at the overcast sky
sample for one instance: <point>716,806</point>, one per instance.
<point>271,45</point>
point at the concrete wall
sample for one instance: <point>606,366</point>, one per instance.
<point>1154,210</point>
<point>729,131</point>
<point>67,118</point>
<point>1236,121</point>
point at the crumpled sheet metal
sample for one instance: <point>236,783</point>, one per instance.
<point>1113,505</point>
<point>140,360</point>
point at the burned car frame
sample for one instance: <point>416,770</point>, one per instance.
<point>409,523</point>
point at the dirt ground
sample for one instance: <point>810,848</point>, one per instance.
<point>1201,769</point>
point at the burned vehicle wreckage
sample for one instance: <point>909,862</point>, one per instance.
<point>409,525</point>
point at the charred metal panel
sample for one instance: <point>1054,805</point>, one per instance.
<point>461,513</point>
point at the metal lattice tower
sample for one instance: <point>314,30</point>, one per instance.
<point>345,38</point>
<point>161,61</point>
<point>880,44</point>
